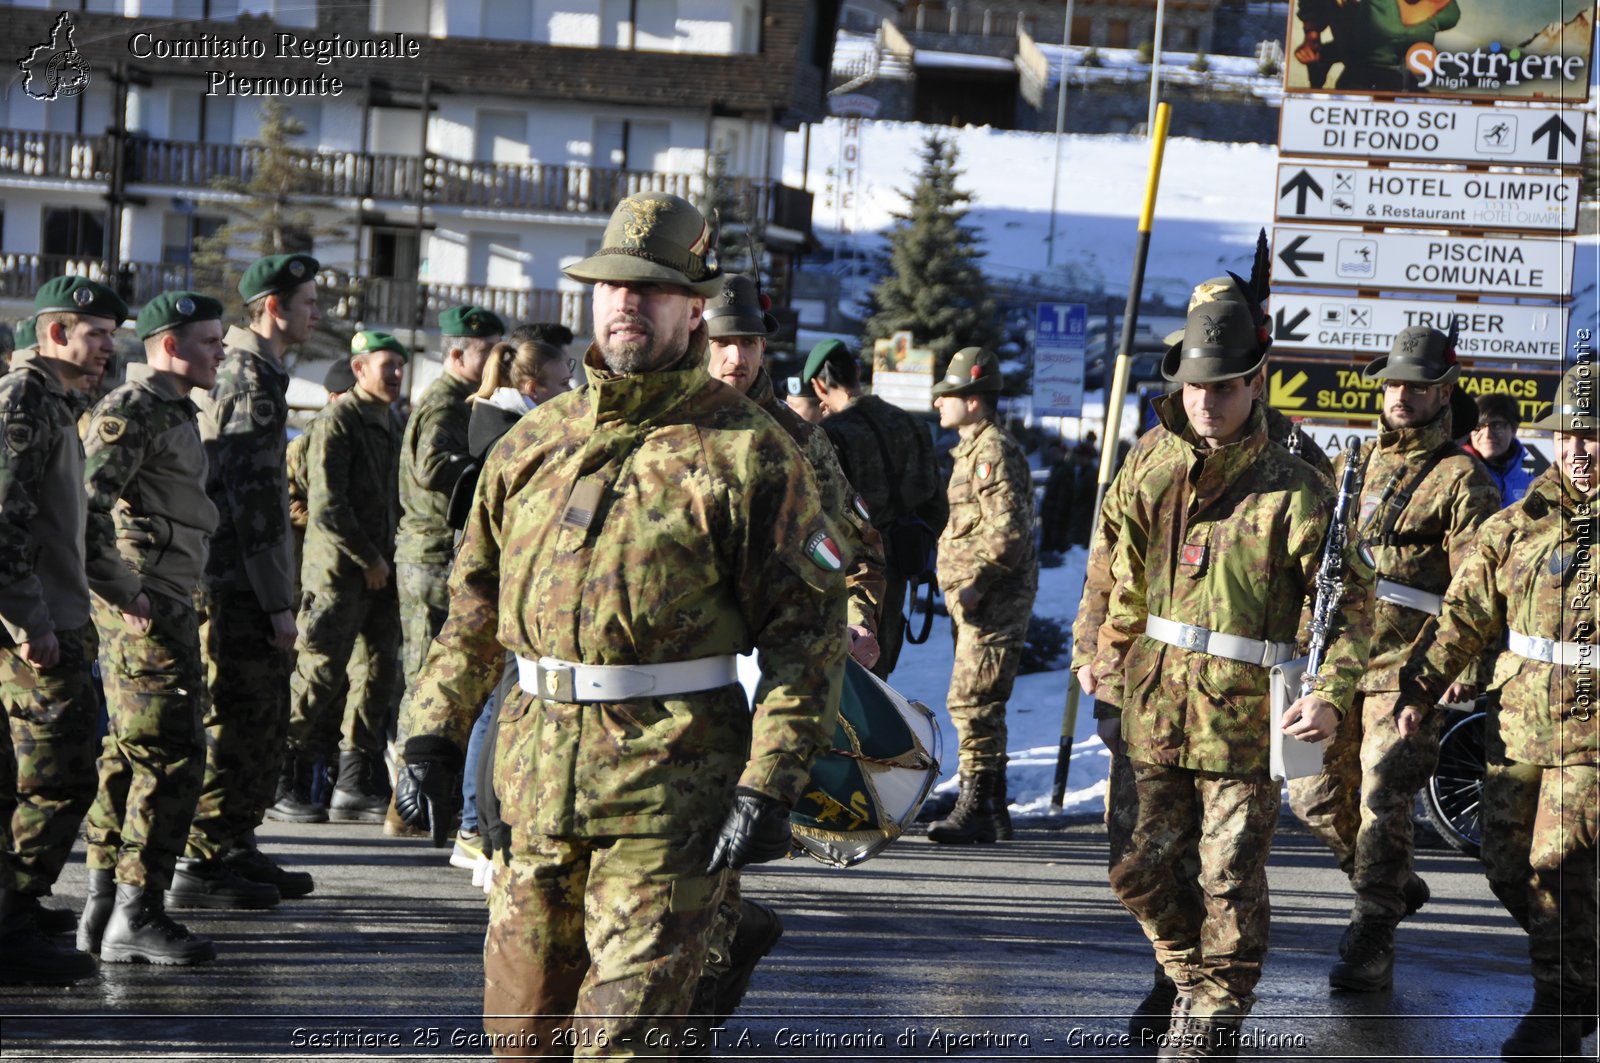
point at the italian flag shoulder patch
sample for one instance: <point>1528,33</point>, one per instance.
<point>824,552</point>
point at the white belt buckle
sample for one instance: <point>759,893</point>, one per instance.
<point>555,680</point>
<point>1543,649</point>
<point>1191,637</point>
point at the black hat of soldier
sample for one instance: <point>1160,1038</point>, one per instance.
<point>740,309</point>
<point>1220,341</point>
<point>1419,355</point>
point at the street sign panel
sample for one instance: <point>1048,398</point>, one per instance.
<point>1305,388</point>
<point>1379,131</point>
<point>1334,438</point>
<point>1409,261</point>
<point>1333,322</point>
<point>1061,334</point>
<point>1444,199</point>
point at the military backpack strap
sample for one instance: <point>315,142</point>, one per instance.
<point>1398,501</point>
<point>927,616</point>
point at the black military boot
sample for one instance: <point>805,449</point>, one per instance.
<point>294,803</point>
<point>1415,893</point>
<point>96,910</point>
<point>212,884</point>
<point>1193,1037</point>
<point>351,801</point>
<point>1545,1033</point>
<point>1368,964</point>
<point>1002,808</point>
<point>248,862</point>
<point>1154,1013</point>
<point>973,818</point>
<point>31,957</point>
<point>141,931</point>
<point>759,930</point>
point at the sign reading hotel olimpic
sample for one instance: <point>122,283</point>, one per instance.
<point>1430,132</point>
<point>1336,322</point>
<point>1346,258</point>
<point>1462,49</point>
<point>1427,198</point>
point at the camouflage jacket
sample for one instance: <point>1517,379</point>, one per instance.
<point>1432,532</point>
<point>1097,577</point>
<point>433,454</point>
<point>1228,540</point>
<point>863,547</point>
<point>643,519</point>
<point>294,460</point>
<point>243,423</point>
<point>145,471</point>
<point>353,488</point>
<point>988,541</point>
<point>42,511</point>
<point>1531,570</point>
<point>887,455</point>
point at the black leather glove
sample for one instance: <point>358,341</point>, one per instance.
<point>428,787</point>
<point>756,830</point>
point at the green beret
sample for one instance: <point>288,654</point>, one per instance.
<point>80,295</point>
<point>819,354</point>
<point>471,320</point>
<point>27,333</point>
<point>171,309</point>
<point>371,340</point>
<point>277,273</point>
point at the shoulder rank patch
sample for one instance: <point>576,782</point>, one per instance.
<point>985,470</point>
<point>860,506</point>
<point>1560,560</point>
<point>19,436</point>
<point>262,409</point>
<point>111,428</point>
<point>824,552</point>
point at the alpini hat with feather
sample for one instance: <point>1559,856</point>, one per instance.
<point>654,237</point>
<point>1227,332</point>
<point>1574,410</point>
<point>1419,355</point>
<point>739,309</point>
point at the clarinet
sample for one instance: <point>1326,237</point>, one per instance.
<point>1330,569</point>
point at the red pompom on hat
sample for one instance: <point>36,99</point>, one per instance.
<point>766,302</point>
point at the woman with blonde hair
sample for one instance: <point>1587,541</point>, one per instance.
<point>516,378</point>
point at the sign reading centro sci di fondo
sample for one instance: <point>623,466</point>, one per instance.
<point>1306,388</point>
<point>1386,130</point>
<point>1472,49</point>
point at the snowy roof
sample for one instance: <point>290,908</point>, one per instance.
<point>1119,65</point>
<point>963,61</point>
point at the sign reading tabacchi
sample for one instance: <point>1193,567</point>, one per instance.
<point>1304,388</point>
<point>1477,49</point>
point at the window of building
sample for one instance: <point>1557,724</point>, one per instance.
<point>655,25</point>
<point>197,10</point>
<point>502,136</point>
<point>181,230</point>
<point>623,144</point>
<point>616,23</point>
<point>72,232</point>
<point>402,16</point>
<point>1117,33</point>
<point>395,131</point>
<point>1184,38</point>
<point>299,13</point>
<point>507,20</point>
<point>395,254</point>
<point>1080,29</point>
<point>746,27</point>
<point>495,260</point>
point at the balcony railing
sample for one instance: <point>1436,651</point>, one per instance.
<point>55,156</point>
<point>21,275</point>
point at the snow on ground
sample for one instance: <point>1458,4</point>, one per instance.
<point>1033,716</point>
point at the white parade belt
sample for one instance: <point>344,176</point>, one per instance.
<point>558,680</point>
<point>1410,597</point>
<point>1566,654</point>
<point>1233,647</point>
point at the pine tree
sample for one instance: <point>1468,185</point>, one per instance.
<point>277,215</point>
<point>934,286</point>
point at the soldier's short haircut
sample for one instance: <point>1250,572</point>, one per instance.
<point>453,343</point>
<point>1501,406</point>
<point>840,370</point>
<point>257,311</point>
<point>67,318</point>
<point>551,332</point>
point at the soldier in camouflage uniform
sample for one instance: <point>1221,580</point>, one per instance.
<point>989,573</point>
<point>433,454</point>
<point>248,629</point>
<point>145,473</point>
<point>336,381</point>
<point>627,540</point>
<point>737,325</point>
<point>49,643</point>
<point>1122,807</point>
<point>1213,568</point>
<point>348,594</point>
<point>887,455</point>
<point>1527,589</point>
<point>1422,499</point>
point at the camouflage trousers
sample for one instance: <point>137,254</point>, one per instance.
<point>730,913</point>
<point>47,775</point>
<point>153,757</point>
<point>1209,929</point>
<point>1360,806</point>
<point>1539,834</point>
<point>424,604</point>
<point>988,655</point>
<point>246,718</point>
<point>335,617</point>
<point>1122,815</point>
<point>595,944</point>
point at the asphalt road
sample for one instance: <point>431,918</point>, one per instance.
<point>1015,950</point>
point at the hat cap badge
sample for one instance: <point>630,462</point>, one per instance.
<point>1213,329</point>
<point>359,343</point>
<point>184,306</point>
<point>643,215</point>
<point>83,296</point>
<point>297,268</point>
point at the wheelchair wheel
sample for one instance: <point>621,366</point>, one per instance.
<point>1454,795</point>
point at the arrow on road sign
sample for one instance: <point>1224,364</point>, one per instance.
<point>1292,256</point>
<point>1555,129</point>
<point>1284,395</point>
<point>1301,183</point>
<point>1286,330</point>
